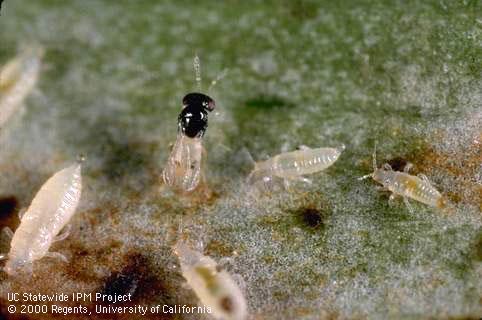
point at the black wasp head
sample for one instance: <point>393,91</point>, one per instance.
<point>198,100</point>
<point>193,119</point>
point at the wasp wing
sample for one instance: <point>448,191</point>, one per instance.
<point>183,169</point>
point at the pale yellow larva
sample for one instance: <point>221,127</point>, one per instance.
<point>293,165</point>
<point>215,288</point>
<point>405,185</point>
<point>50,211</point>
<point>17,79</point>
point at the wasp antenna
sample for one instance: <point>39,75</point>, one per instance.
<point>197,71</point>
<point>220,76</point>
<point>375,157</point>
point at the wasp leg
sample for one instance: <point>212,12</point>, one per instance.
<point>388,167</point>
<point>409,206</point>
<point>57,255</point>
<point>408,167</point>
<point>8,232</point>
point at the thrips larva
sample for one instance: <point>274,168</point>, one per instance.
<point>17,78</point>
<point>214,287</point>
<point>293,165</point>
<point>50,211</point>
<point>183,170</point>
<point>406,185</point>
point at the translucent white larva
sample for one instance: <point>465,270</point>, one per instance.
<point>405,185</point>
<point>50,211</point>
<point>215,288</point>
<point>293,165</point>
<point>17,78</point>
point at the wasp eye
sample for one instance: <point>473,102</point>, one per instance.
<point>211,105</point>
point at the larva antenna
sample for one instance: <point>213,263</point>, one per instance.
<point>80,158</point>
<point>374,163</point>
<point>197,71</point>
<point>179,227</point>
<point>249,156</point>
<point>219,77</point>
<point>365,176</point>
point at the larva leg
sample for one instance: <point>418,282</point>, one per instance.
<point>286,183</point>
<point>21,213</point>
<point>423,177</point>
<point>240,281</point>
<point>64,234</point>
<point>303,179</point>
<point>267,181</point>
<point>391,200</point>
<point>407,168</point>
<point>249,179</point>
<point>57,255</point>
<point>199,245</point>
<point>409,206</point>
<point>266,184</point>
<point>388,167</point>
<point>3,256</point>
<point>225,262</point>
<point>28,269</point>
<point>8,232</point>
<point>225,147</point>
<point>303,147</point>
<point>381,188</point>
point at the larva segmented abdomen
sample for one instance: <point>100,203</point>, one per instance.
<point>303,162</point>
<point>415,188</point>
<point>50,210</point>
<point>214,288</point>
<point>17,79</point>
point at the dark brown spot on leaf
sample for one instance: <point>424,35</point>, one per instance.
<point>397,163</point>
<point>7,206</point>
<point>8,212</point>
<point>311,217</point>
<point>227,304</point>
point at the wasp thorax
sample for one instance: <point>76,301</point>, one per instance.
<point>193,119</point>
<point>200,100</point>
